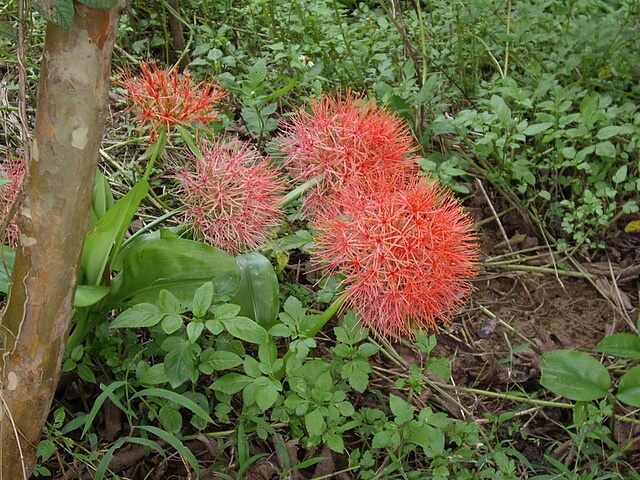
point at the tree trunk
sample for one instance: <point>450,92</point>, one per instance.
<point>70,119</point>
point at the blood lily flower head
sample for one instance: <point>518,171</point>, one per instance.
<point>164,97</point>
<point>345,138</point>
<point>232,197</point>
<point>406,254</point>
<point>13,172</point>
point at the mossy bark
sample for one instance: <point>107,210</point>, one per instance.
<point>70,119</point>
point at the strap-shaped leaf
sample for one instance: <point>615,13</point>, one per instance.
<point>175,264</point>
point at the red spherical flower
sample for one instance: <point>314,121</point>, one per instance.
<point>345,138</point>
<point>406,254</point>
<point>13,170</point>
<point>232,197</point>
<point>166,97</point>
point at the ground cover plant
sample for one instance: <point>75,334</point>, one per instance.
<point>332,239</point>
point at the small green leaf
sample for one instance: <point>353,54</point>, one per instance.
<point>169,303</point>
<point>179,362</point>
<point>262,391</point>
<point>621,345</point>
<point>536,128</point>
<point>202,300</point>
<point>315,423</point>
<point>612,130</point>
<point>231,383</point>
<point>138,316</point>
<point>194,330</point>
<point>85,373</point>
<point>629,387</point>
<point>574,375</point>
<point>606,149</point>
<point>171,323</point>
<point>620,175</point>
<point>401,409</point>
<point>246,329</point>
<point>170,418</point>
<point>212,360</point>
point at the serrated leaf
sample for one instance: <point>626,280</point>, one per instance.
<point>629,387</point>
<point>620,344</point>
<point>574,375</point>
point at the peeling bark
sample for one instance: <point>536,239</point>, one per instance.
<point>70,119</point>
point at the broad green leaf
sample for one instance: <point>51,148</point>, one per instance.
<point>175,264</point>
<point>7,258</point>
<point>574,375</point>
<point>171,323</point>
<point>629,387</point>
<point>231,383</point>
<point>259,289</point>
<point>87,295</point>
<point>246,329</point>
<point>103,242</point>
<point>181,400</point>
<point>138,316</point>
<point>620,344</point>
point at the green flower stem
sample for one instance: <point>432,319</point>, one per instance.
<point>297,192</point>
<point>156,148</point>
<point>321,321</point>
